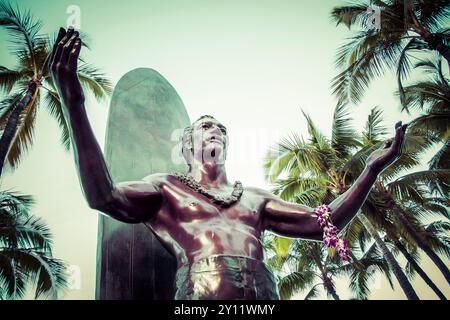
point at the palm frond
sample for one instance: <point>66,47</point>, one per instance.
<point>374,131</point>
<point>311,197</point>
<point>433,13</point>
<point>290,189</point>
<point>367,55</point>
<point>426,95</point>
<point>293,153</point>
<point>8,78</point>
<point>295,282</point>
<point>438,206</point>
<point>12,278</point>
<point>354,14</point>
<point>91,78</point>
<point>437,237</point>
<point>23,29</point>
<point>420,178</point>
<point>53,103</point>
<point>404,65</point>
<point>363,271</point>
<point>344,138</point>
<point>314,292</point>
<point>316,137</point>
<point>25,232</point>
<point>47,272</point>
<point>13,204</point>
<point>441,160</point>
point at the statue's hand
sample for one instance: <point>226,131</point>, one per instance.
<point>389,152</point>
<point>63,67</point>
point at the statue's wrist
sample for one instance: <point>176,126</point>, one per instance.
<point>371,169</point>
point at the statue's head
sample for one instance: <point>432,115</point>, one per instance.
<point>205,140</point>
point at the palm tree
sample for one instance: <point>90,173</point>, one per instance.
<point>308,265</point>
<point>318,170</point>
<point>431,97</point>
<point>394,192</point>
<point>412,257</point>
<point>25,251</point>
<point>406,26</point>
<point>30,85</point>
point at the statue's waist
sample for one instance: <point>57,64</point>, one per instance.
<point>225,277</point>
<point>218,262</point>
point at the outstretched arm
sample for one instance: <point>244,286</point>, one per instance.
<point>128,202</point>
<point>298,221</point>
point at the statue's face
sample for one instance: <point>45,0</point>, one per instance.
<point>210,140</point>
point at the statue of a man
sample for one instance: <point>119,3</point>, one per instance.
<point>212,227</point>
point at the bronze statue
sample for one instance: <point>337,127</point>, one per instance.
<point>210,225</point>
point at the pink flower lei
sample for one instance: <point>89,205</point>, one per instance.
<point>330,237</point>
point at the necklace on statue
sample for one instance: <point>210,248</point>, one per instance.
<point>222,201</point>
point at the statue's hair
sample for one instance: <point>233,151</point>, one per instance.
<point>187,137</point>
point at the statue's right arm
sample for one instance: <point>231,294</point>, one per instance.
<point>130,202</point>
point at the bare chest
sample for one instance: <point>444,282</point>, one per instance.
<point>186,205</point>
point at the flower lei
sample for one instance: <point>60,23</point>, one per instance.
<point>330,237</point>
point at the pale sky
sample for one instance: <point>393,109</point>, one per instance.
<point>252,64</point>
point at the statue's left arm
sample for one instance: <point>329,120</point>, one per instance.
<point>299,221</point>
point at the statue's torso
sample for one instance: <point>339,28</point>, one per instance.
<point>192,228</point>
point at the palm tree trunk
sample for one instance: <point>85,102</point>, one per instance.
<point>13,120</point>
<point>419,270</point>
<point>398,212</point>
<point>329,287</point>
<point>395,267</point>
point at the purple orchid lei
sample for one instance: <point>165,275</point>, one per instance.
<point>330,237</point>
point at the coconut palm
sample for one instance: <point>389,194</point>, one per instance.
<point>309,266</point>
<point>406,26</point>
<point>413,264</point>
<point>29,85</point>
<point>395,192</point>
<point>431,97</point>
<point>25,251</point>
<point>320,169</point>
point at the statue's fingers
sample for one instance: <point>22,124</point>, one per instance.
<point>60,45</point>
<point>74,54</point>
<point>67,36</point>
<point>404,127</point>
<point>68,47</point>
<point>398,139</point>
<point>61,34</point>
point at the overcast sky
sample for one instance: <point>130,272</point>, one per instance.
<point>254,65</point>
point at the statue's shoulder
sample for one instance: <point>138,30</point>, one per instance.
<point>258,192</point>
<point>157,178</point>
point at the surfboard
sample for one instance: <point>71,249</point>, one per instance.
<point>145,111</point>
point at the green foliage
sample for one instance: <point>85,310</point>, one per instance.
<point>25,251</point>
<point>33,51</point>
<point>405,28</point>
<point>334,164</point>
